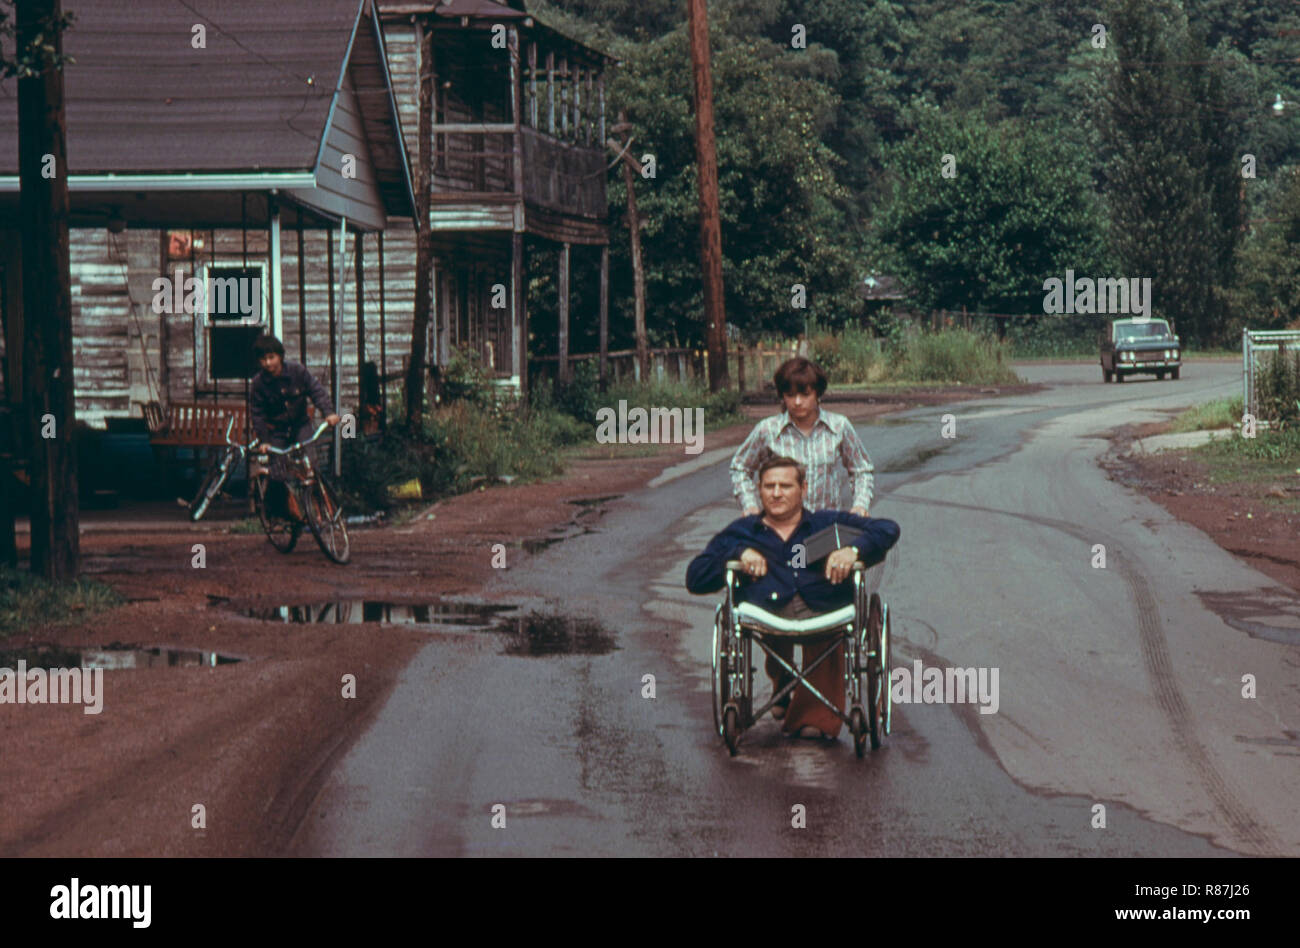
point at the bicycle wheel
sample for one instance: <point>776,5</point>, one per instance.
<point>282,534</point>
<point>211,486</point>
<point>325,517</point>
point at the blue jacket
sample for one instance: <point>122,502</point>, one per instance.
<point>278,403</point>
<point>707,572</point>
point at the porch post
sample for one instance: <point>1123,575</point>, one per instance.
<point>277,297</point>
<point>532,84</point>
<point>578,123</point>
<point>550,93</point>
<point>600,93</point>
<point>383,340</point>
<point>564,313</point>
<point>564,98</point>
<point>359,242</point>
<point>302,296</point>
<point>441,314</point>
<point>336,360</point>
<point>518,314</point>
<point>604,316</point>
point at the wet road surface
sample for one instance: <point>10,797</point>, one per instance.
<point>1119,687</point>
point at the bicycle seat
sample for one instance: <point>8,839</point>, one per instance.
<point>757,617</point>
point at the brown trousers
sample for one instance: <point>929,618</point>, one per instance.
<point>828,677</point>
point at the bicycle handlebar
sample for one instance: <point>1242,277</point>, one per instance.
<point>230,426</point>
<point>297,445</point>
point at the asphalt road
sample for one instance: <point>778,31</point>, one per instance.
<point>1117,686</point>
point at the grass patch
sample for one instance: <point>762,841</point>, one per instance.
<point>1222,413</point>
<point>1274,451</point>
<point>721,409</point>
<point>472,435</point>
<point>1272,457</point>
<point>956,355</point>
<point>853,357</point>
<point>27,600</point>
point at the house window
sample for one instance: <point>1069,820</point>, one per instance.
<point>235,304</point>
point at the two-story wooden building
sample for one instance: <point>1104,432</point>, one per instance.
<point>517,158</point>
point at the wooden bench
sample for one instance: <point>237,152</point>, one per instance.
<point>193,424</point>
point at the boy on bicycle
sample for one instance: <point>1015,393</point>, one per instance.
<point>277,405</point>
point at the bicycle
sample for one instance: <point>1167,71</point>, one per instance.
<point>316,499</point>
<point>211,486</point>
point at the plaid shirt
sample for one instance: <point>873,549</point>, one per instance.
<point>830,455</point>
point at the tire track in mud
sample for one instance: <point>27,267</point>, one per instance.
<point>1159,669</point>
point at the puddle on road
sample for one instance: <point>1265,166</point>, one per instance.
<point>594,501</point>
<point>537,634</point>
<point>537,546</point>
<point>113,657</point>
<point>348,611</point>
<point>533,635</point>
<point>1264,614</point>
<point>911,460</point>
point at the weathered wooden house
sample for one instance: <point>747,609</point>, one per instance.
<point>518,163</point>
<point>260,151</point>
<point>273,149</point>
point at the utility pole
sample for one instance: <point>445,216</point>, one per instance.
<point>624,127</point>
<point>48,394</point>
<point>706,159</point>
<point>424,163</point>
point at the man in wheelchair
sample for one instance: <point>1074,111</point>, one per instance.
<point>772,549</point>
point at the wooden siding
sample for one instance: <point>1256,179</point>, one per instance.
<point>358,198</point>
<point>120,340</point>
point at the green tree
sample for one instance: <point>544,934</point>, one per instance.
<point>1017,210</point>
<point>1173,180</point>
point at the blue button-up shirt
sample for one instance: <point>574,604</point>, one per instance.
<point>708,572</point>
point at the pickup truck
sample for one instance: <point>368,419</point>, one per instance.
<point>1140,346</point>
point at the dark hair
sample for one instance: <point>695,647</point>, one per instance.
<point>781,462</point>
<point>799,374</point>
<point>266,344</point>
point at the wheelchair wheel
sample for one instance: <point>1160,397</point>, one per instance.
<point>731,728</point>
<point>858,726</point>
<point>721,678</point>
<point>884,666</point>
<point>877,680</point>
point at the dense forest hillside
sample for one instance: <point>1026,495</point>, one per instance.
<point>972,149</point>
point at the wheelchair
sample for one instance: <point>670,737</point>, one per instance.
<point>863,627</point>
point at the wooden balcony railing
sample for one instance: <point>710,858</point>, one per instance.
<point>557,176</point>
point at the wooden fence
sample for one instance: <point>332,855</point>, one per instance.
<point>750,367</point>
